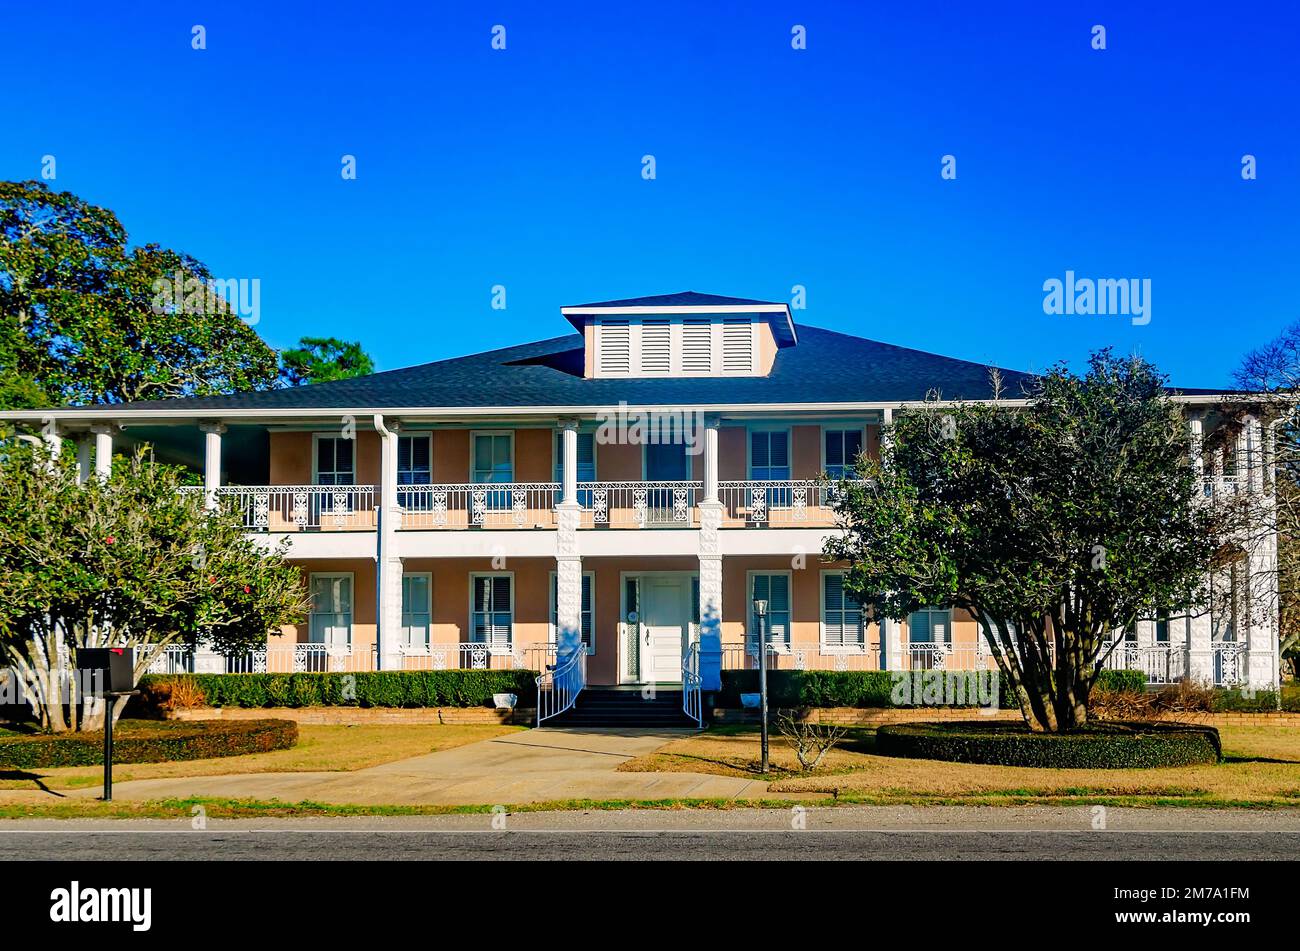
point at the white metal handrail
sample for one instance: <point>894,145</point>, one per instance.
<point>777,501</point>
<point>638,504</point>
<point>1161,663</point>
<point>692,699</point>
<point>558,686</point>
<point>299,508</point>
<point>477,504</point>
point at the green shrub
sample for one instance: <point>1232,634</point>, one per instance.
<point>1100,745</point>
<point>138,741</point>
<point>396,688</point>
<point>866,688</point>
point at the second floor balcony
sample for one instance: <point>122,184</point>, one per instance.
<point>770,503</point>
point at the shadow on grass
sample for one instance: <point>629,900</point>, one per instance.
<point>24,776</point>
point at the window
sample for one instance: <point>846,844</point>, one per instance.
<point>842,448</point>
<point>494,462</point>
<point>588,609</point>
<point>930,626</point>
<point>586,457</point>
<point>1162,627</point>
<point>330,618</point>
<point>769,454</point>
<point>414,467</point>
<point>842,624</point>
<point>492,609</point>
<point>775,590</point>
<point>416,609</point>
<point>335,460</point>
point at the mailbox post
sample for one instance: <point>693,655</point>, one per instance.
<point>115,667</point>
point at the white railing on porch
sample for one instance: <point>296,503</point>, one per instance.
<point>803,502</point>
<point>476,655</point>
<point>343,658</point>
<point>1229,663</point>
<point>1161,663</point>
<point>173,659</point>
<point>475,505</point>
<point>692,699</point>
<point>782,656</point>
<point>302,508</point>
<point>638,504</point>
<point>560,684</point>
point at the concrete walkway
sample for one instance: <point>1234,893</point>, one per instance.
<point>532,766</point>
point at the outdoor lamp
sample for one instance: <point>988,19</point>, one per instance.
<point>760,612</point>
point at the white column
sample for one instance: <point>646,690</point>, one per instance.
<point>891,644</point>
<point>53,440</point>
<point>1253,454</point>
<point>711,425</point>
<point>568,606</point>
<point>388,566</point>
<point>569,462</point>
<point>103,449</point>
<point>1200,651</point>
<point>84,445</point>
<point>1196,445</point>
<point>710,606</point>
<point>886,437</point>
<point>211,461</point>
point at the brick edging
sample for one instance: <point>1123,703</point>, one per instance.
<point>875,716</point>
<point>343,716</point>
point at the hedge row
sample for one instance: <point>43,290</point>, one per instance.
<point>136,741</point>
<point>869,688</point>
<point>397,688</point>
<point>1101,745</point>
<point>1258,701</point>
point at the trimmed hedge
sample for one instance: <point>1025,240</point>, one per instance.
<point>394,688</point>
<point>1259,701</point>
<point>1101,745</point>
<point>864,688</point>
<point>137,741</point>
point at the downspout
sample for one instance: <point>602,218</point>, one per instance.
<point>385,633</point>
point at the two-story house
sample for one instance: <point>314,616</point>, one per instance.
<point>636,483</point>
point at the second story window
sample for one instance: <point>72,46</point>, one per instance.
<point>493,457</point>
<point>842,448</point>
<point>414,460</point>
<point>769,455</point>
<point>335,461</point>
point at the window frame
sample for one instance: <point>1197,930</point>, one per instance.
<point>751,637</point>
<point>315,456</point>
<point>827,429</point>
<point>404,631</point>
<point>352,598</point>
<point>930,628</point>
<point>826,647</point>
<point>475,576</point>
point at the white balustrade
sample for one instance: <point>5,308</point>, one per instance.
<point>479,505</point>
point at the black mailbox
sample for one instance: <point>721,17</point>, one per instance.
<point>116,664</point>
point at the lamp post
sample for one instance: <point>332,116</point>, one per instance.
<point>760,612</point>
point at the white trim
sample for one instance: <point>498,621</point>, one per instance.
<point>677,309</point>
<point>474,434</point>
<point>848,426</point>
<point>550,624</point>
<point>352,598</point>
<point>316,437</point>
<point>864,644</point>
<point>749,603</point>
<point>474,576</point>
<point>429,590</point>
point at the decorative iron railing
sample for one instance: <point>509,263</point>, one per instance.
<point>560,684</point>
<point>638,504</point>
<point>302,508</point>
<point>479,505</point>
<point>692,699</point>
<point>777,502</point>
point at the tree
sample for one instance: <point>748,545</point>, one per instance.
<point>86,319</point>
<point>1273,372</point>
<point>321,359</point>
<point>130,561</point>
<point>1054,524</point>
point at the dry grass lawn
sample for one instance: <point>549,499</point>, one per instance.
<point>1262,767</point>
<point>320,748</point>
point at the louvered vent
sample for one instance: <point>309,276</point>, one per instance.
<point>697,346</point>
<point>656,346</point>
<point>737,346</point>
<point>615,347</point>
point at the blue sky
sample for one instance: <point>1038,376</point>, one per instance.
<point>775,167</point>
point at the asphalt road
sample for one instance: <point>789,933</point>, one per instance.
<point>734,835</point>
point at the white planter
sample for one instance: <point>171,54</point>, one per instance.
<point>505,701</point>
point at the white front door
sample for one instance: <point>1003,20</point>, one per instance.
<point>665,621</point>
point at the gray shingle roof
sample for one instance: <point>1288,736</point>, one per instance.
<point>825,367</point>
<point>680,299</point>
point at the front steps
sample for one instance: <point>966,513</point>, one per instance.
<point>611,707</point>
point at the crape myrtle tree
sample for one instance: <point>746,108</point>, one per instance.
<point>1055,522</point>
<point>130,561</point>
